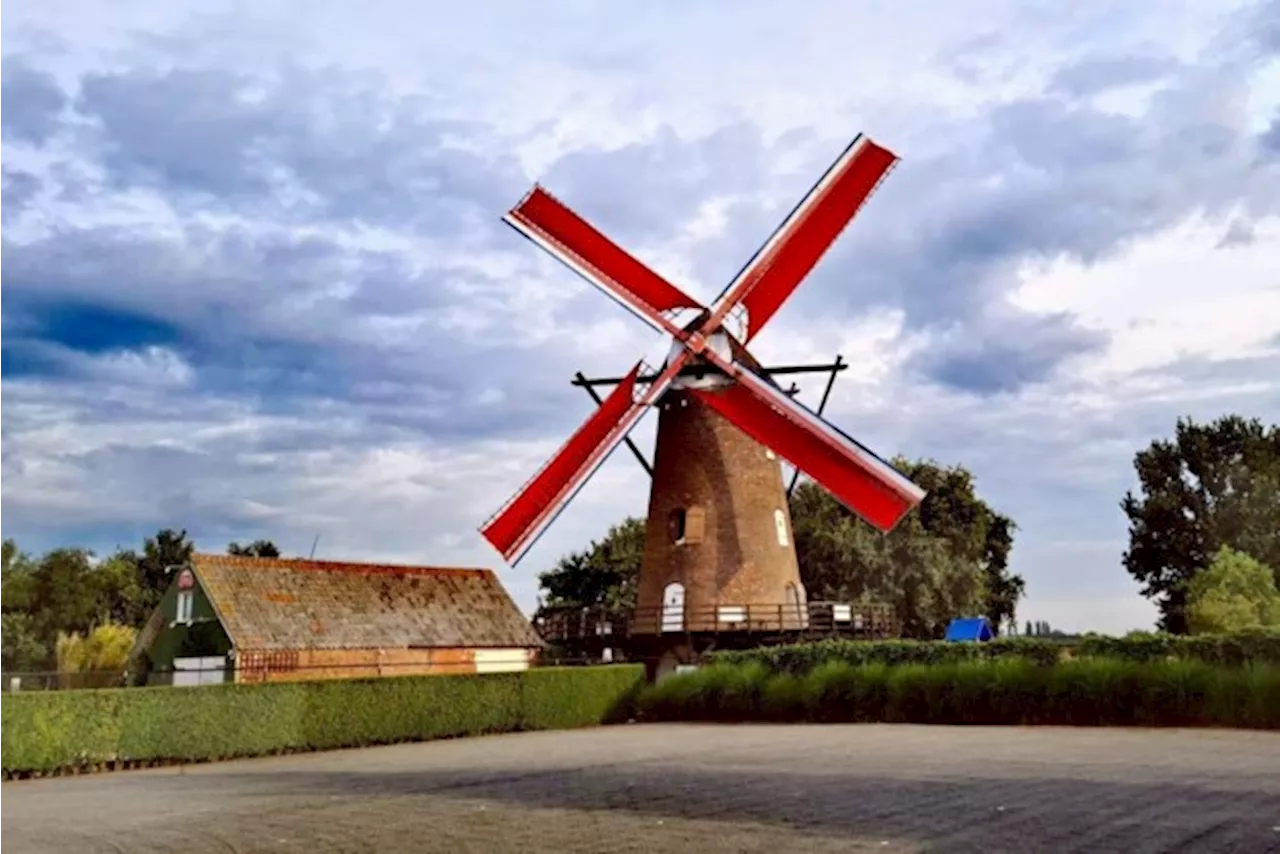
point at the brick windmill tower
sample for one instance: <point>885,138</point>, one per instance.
<point>718,545</point>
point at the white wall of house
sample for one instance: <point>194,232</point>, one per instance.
<point>502,660</point>
<point>209,670</point>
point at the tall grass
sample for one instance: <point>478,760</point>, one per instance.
<point>93,660</point>
<point>1084,692</point>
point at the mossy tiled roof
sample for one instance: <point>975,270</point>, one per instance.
<point>279,604</point>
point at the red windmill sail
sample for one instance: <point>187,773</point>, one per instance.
<point>862,481</point>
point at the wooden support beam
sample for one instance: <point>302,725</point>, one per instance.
<point>579,379</point>
<point>836,367</point>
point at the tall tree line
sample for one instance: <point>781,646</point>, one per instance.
<point>67,591</point>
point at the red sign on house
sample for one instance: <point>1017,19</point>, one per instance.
<point>186,580</point>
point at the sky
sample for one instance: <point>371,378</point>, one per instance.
<point>256,283</point>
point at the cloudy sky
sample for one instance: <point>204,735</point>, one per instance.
<point>255,282</point>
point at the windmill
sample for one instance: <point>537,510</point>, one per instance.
<point>718,530</point>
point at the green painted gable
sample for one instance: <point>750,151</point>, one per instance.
<point>203,636</point>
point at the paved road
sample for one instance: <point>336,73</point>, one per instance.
<point>691,788</point>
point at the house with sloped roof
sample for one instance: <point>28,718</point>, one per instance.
<point>247,619</point>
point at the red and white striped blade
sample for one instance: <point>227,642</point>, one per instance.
<point>774,272</point>
<point>864,483</point>
<point>568,237</point>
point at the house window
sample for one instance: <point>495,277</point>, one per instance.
<point>186,605</point>
<point>780,524</point>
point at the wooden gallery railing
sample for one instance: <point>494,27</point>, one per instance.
<point>868,620</point>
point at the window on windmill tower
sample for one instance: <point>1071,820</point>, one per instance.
<point>688,525</point>
<point>780,524</point>
<point>678,521</point>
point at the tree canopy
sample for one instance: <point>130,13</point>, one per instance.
<point>947,559</point>
<point>603,574</point>
<point>1236,592</point>
<point>1211,485</point>
<point>258,548</point>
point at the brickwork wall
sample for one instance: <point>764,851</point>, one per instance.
<point>296,665</point>
<point>703,461</point>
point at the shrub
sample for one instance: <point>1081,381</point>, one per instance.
<point>1239,648</point>
<point>93,660</point>
<point>1088,691</point>
<point>54,730</point>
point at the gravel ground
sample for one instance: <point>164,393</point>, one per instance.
<point>691,788</point>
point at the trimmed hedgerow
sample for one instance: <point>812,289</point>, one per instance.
<point>1257,647</point>
<point>1093,691</point>
<point>52,731</point>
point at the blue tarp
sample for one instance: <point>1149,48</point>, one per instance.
<point>969,629</point>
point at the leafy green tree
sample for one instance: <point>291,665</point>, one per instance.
<point>168,549</point>
<point>18,579</point>
<point>119,585</point>
<point>65,595</point>
<point>950,558</point>
<point>1213,485</point>
<point>603,574</point>
<point>22,650</point>
<point>258,548</point>
<point>1234,593</point>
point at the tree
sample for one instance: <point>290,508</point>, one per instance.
<point>604,574</point>
<point>258,548</point>
<point>1213,485</point>
<point>22,649</point>
<point>64,594</point>
<point>1235,592</point>
<point>18,579</point>
<point>166,550</point>
<point>119,588</point>
<point>947,559</point>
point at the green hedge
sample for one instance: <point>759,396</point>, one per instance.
<point>55,730</point>
<point>1006,691</point>
<point>1262,647</point>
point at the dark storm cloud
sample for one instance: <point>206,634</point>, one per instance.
<point>1005,355</point>
<point>19,189</point>
<point>270,315</point>
<point>305,145</point>
<point>33,103</point>
<point>258,316</point>
<point>1098,75</point>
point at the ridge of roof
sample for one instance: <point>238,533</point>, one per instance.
<point>309,565</point>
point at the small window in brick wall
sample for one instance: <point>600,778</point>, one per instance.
<point>780,523</point>
<point>688,526</point>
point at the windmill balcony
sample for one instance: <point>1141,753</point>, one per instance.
<point>762,623</point>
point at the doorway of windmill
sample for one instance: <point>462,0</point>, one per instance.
<point>673,607</point>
